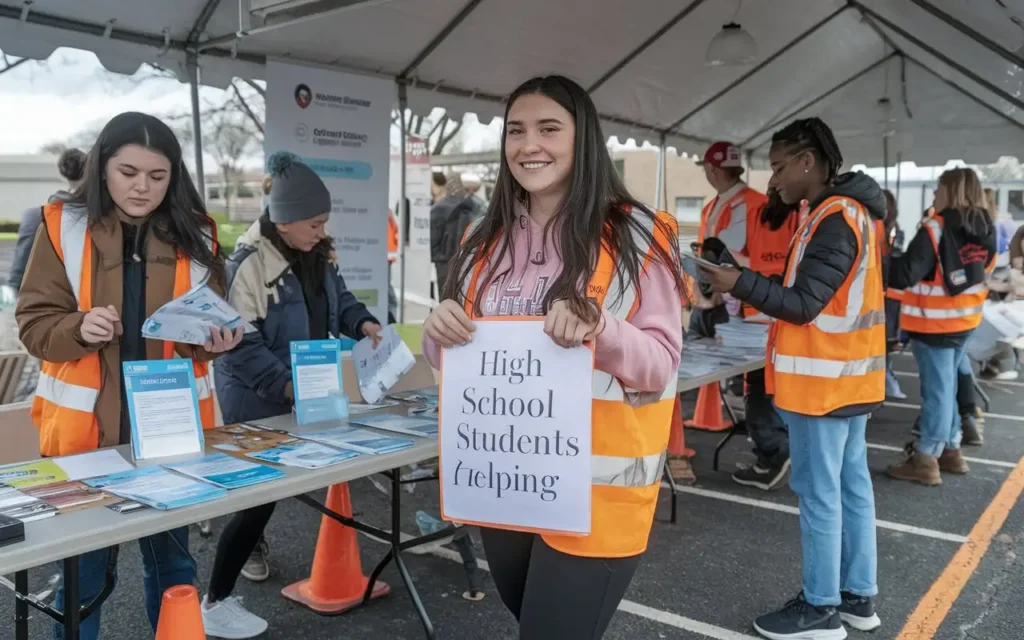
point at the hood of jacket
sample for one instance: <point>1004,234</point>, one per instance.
<point>60,195</point>
<point>860,187</point>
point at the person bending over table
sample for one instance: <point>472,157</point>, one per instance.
<point>826,370</point>
<point>282,278</point>
<point>560,209</point>
<point>131,238</point>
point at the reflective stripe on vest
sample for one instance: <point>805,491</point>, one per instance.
<point>928,308</point>
<point>630,428</point>
<point>838,359</point>
<point>64,405</point>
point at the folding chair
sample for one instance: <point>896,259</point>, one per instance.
<point>12,364</point>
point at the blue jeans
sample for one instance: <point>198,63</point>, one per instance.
<point>830,476</point>
<point>940,414</point>
<point>166,562</point>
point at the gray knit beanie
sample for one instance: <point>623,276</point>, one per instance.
<point>296,192</point>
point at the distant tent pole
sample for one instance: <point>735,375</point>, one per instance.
<point>885,159</point>
<point>659,180</point>
<point>899,169</point>
<point>403,204</point>
<point>192,62</point>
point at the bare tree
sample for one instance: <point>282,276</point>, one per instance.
<point>1006,169</point>
<point>229,137</point>
<point>440,132</point>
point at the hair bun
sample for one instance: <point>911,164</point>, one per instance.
<point>279,161</point>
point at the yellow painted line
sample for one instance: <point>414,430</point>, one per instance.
<point>933,607</point>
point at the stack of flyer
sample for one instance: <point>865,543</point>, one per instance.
<point>307,455</point>
<point>358,440</point>
<point>226,471</point>
<point>15,504</point>
<point>158,488</point>
<point>422,427</point>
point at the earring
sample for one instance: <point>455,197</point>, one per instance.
<point>805,171</point>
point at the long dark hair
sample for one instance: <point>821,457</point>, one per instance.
<point>180,220</point>
<point>775,212</point>
<point>812,134</point>
<point>595,212</point>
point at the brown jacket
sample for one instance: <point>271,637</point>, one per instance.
<point>50,323</point>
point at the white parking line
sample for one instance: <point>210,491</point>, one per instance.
<point>906,405</point>
<point>1008,383</point>
<point>785,508</point>
<point>994,463</point>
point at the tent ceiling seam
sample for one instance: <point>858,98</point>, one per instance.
<point>968,31</point>
<point>439,39</point>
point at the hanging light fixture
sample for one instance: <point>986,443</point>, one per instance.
<point>732,46</point>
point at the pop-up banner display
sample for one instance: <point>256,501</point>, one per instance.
<point>516,430</point>
<point>339,124</point>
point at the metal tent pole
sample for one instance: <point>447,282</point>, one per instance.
<point>659,180</point>
<point>403,203</point>
<point>192,62</point>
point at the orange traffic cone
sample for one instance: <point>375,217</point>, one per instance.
<point>336,583</point>
<point>180,618</point>
<point>677,439</point>
<point>708,414</point>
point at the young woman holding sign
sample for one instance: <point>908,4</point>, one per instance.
<point>131,238</point>
<point>560,208</point>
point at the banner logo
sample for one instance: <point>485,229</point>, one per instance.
<point>303,95</point>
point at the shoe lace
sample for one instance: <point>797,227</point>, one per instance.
<point>233,605</point>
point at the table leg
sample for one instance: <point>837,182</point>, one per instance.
<point>71,599</point>
<point>672,490</point>
<point>737,428</point>
<point>20,606</point>
<point>396,551</point>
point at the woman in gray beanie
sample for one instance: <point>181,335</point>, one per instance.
<point>283,279</point>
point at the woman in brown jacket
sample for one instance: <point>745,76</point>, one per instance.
<point>133,236</point>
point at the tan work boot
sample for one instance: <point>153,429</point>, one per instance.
<point>952,461</point>
<point>917,467</point>
<point>681,470</point>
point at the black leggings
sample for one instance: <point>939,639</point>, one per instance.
<point>553,595</point>
<point>236,544</point>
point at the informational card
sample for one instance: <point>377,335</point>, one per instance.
<point>308,455</point>
<point>380,368</point>
<point>241,438</point>
<point>317,381</point>
<point>18,505</point>
<point>359,440</point>
<point>410,426</point>
<point>225,471</point>
<point>188,318</point>
<point>422,397</point>
<point>70,496</point>
<point>32,474</point>
<point>355,409</point>
<point>164,408</point>
<point>516,430</point>
<point>94,463</point>
<point>158,488</point>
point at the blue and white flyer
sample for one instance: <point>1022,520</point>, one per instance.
<point>317,381</point>
<point>164,408</point>
<point>411,426</point>
<point>355,439</point>
<point>380,368</point>
<point>226,471</point>
<point>308,455</point>
<point>188,318</point>
<point>158,488</point>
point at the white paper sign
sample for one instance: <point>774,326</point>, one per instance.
<point>378,369</point>
<point>516,430</point>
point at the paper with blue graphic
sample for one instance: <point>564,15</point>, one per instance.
<point>158,488</point>
<point>317,381</point>
<point>359,440</point>
<point>411,426</point>
<point>188,318</point>
<point>226,471</point>
<point>164,408</point>
<point>379,368</point>
<point>308,455</point>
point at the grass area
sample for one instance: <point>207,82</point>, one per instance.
<point>228,232</point>
<point>412,335</point>
<point>9,236</point>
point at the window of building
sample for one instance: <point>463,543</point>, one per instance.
<point>620,167</point>
<point>688,209</point>
<point>1015,204</point>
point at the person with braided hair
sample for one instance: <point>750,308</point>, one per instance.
<point>826,372</point>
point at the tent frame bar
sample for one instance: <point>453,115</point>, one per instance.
<point>764,63</point>
<point>646,44</point>
<point>439,39</point>
<point>192,65</point>
<point>966,30</point>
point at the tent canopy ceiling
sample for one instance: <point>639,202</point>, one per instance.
<point>952,71</point>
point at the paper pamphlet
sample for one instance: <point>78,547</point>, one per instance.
<point>355,409</point>
<point>317,381</point>
<point>243,439</point>
<point>378,369</point>
<point>158,488</point>
<point>225,471</point>
<point>32,474</point>
<point>70,496</point>
<point>187,319</point>
<point>308,455</point>
<point>164,408</point>
<point>95,463</point>
<point>417,396</point>
<point>15,504</point>
<point>412,426</point>
<point>359,440</point>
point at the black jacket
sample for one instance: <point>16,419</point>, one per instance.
<point>828,259</point>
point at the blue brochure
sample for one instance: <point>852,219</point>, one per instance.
<point>354,439</point>
<point>317,381</point>
<point>226,471</point>
<point>157,487</point>
<point>308,455</point>
<point>163,406</point>
<point>411,426</point>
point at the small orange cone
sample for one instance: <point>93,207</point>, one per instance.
<point>336,583</point>
<point>180,618</point>
<point>676,438</point>
<point>708,414</point>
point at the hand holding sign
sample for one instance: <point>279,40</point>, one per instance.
<point>448,325</point>
<point>567,329</point>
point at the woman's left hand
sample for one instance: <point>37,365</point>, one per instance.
<point>225,339</point>
<point>723,279</point>
<point>372,331</point>
<point>567,329</point>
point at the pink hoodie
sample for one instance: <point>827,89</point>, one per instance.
<point>643,354</point>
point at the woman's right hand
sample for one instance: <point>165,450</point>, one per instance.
<point>448,325</point>
<point>100,324</point>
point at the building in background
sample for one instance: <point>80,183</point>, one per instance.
<point>26,181</point>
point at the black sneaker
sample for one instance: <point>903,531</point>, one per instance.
<point>766,478</point>
<point>972,431</point>
<point>800,620</point>
<point>916,429</point>
<point>859,612</point>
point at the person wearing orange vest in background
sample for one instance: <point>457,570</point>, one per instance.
<point>826,371</point>
<point>943,274</point>
<point>769,234</point>
<point>392,257</point>
<point>560,218</point>
<point>132,237</point>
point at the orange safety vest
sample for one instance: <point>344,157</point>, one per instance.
<point>630,428</point>
<point>767,250</point>
<point>392,237</point>
<point>745,202</point>
<point>928,308</point>
<point>838,359</point>
<point>64,405</point>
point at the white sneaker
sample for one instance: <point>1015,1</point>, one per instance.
<point>229,619</point>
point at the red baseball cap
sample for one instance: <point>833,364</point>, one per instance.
<point>723,155</point>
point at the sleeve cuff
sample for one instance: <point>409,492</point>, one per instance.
<point>745,285</point>
<point>611,337</point>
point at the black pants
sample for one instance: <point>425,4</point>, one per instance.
<point>765,425</point>
<point>553,595</point>
<point>966,399</point>
<point>236,544</point>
